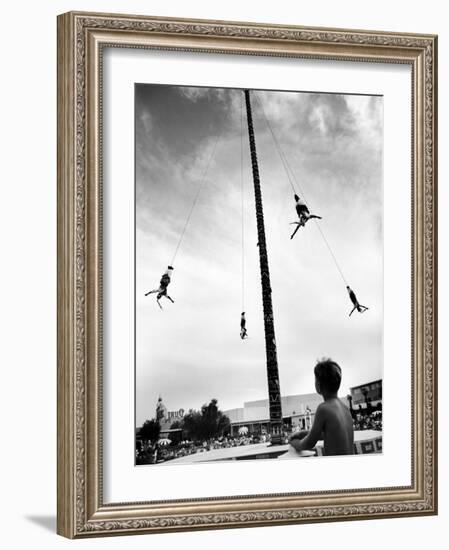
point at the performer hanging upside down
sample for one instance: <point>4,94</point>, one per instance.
<point>304,215</point>
<point>354,300</point>
<point>243,331</point>
<point>163,284</point>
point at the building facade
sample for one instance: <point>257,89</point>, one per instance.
<point>298,412</point>
<point>166,419</point>
<point>367,396</point>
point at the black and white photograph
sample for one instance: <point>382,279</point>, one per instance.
<point>258,274</point>
<point>224,237</point>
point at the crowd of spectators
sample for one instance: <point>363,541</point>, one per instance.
<point>368,421</point>
<point>152,454</point>
<point>156,453</point>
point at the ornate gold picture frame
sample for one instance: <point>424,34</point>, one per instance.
<point>82,40</point>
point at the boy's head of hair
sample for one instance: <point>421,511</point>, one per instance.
<point>327,376</point>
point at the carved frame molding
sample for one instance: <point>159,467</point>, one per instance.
<point>81,39</point>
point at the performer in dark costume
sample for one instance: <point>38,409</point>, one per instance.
<point>243,331</point>
<point>163,284</point>
<point>304,215</point>
<point>357,305</point>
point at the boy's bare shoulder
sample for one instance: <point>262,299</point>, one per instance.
<point>323,408</point>
<point>330,407</point>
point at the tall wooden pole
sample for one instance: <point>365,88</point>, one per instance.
<point>274,392</point>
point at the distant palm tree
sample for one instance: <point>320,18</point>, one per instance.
<point>349,398</point>
<point>365,395</point>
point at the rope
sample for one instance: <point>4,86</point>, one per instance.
<point>278,147</point>
<point>200,187</point>
<point>243,202</point>
<point>332,254</point>
<point>288,168</point>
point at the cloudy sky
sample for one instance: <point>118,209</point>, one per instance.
<point>191,351</point>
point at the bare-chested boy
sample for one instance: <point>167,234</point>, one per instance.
<point>333,421</point>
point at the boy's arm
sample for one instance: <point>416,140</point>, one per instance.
<point>298,435</point>
<point>314,435</point>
